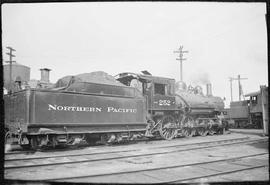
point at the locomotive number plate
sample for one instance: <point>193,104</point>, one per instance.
<point>164,102</point>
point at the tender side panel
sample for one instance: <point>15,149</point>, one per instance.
<point>16,111</point>
<point>238,112</point>
<point>82,112</point>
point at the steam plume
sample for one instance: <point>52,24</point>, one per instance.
<point>200,78</point>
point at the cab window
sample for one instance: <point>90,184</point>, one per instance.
<point>254,99</point>
<point>160,89</point>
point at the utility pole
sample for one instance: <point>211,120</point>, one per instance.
<point>239,85</point>
<point>231,79</point>
<point>180,51</point>
<point>10,66</point>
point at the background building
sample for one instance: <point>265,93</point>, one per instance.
<point>19,72</point>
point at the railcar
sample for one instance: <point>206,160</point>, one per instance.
<point>248,113</point>
<point>101,108</point>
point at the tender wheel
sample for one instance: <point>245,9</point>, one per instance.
<point>168,128</point>
<point>34,143</point>
<point>23,145</point>
<point>8,138</point>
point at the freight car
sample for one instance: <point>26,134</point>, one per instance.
<point>90,108</point>
<point>247,113</point>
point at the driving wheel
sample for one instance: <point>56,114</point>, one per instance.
<point>168,129</point>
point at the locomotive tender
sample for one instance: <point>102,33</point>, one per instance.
<point>78,109</point>
<point>248,113</point>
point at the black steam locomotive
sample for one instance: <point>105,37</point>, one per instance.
<point>96,107</point>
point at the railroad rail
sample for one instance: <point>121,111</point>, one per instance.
<point>183,147</point>
<point>38,162</point>
<point>165,169</point>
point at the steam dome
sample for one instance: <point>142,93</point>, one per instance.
<point>181,86</point>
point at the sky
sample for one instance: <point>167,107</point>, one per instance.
<point>222,39</point>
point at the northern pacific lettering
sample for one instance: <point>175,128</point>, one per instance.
<point>55,107</point>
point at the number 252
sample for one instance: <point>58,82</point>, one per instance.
<point>164,102</point>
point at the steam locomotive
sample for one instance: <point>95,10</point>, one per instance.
<point>96,107</point>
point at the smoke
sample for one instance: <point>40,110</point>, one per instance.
<point>200,78</point>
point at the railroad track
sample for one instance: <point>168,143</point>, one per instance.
<point>42,161</point>
<point>183,147</point>
<point>188,168</point>
<point>50,153</point>
<point>222,173</point>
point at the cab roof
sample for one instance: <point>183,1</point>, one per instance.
<point>147,78</point>
<point>253,94</point>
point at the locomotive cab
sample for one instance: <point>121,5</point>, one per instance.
<point>159,91</point>
<point>163,113</point>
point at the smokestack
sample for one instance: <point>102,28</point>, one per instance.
<point>45,75</point>
<point>208,89</point>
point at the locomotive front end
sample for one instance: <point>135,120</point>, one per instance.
<point>202,112</point>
